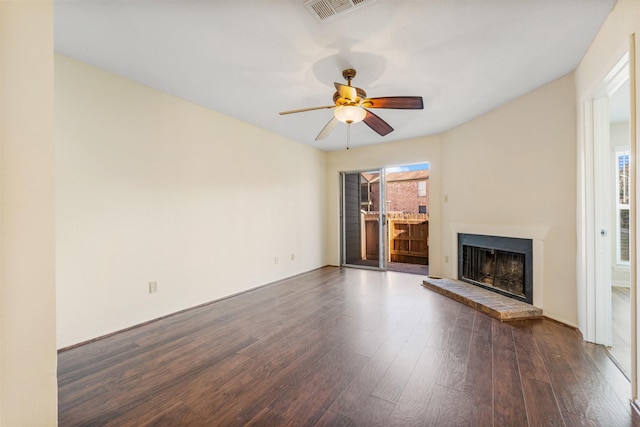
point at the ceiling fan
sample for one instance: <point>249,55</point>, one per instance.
<point>351,106</point>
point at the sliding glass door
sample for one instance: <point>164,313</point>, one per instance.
<point>363,219</point>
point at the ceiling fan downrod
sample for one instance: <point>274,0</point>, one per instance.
<point>348,75</point>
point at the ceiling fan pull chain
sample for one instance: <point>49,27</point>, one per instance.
<point>348,134</point>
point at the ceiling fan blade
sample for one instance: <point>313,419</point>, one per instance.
<point>377,124</point>
<point>326,130</point>
<point>397,102</point>
<point>302,110</point>
<point>347,92</point>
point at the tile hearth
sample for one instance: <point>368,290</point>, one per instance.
<point>495,305</point>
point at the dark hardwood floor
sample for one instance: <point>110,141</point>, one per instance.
<point>342,347</point>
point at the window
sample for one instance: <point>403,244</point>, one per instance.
<point>422,188</point>
<point>622,207</point>
<point>422,209</point>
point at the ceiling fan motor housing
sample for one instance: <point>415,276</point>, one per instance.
<point>338,100</point>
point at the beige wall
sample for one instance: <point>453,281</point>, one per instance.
<point>153,188</point>
<point>28,393</point>
<point>607,49</point>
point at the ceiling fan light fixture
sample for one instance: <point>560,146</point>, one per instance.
<point>349,114</point>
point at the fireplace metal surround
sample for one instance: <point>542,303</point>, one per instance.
<point>497,259</point>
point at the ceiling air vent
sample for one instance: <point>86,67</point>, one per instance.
<point>325,10</point>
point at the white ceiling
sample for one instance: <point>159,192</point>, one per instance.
<point>250,59</point>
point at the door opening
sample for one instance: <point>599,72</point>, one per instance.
<point>620,261</point>
<point>407,208</point>
<point>385,218</point>
<point>612,216</point>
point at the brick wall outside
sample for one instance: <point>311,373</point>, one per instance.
<point>402,196</point>
<point>375,197</point>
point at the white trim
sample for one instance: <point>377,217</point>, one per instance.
<point>534,232</point>
<point>603,177</point>
<point>618,75</point>
<point>585,262</point>
<point>590,273</point>
<point>633,114</point>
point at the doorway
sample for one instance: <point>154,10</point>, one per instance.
<point>619,114</point>
<point>612,217</point>
<point>384,218</point>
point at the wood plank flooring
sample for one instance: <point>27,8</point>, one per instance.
<point>342,347</point>
<point>621,312</point>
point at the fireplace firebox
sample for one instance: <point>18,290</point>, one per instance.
<point>500,264</point>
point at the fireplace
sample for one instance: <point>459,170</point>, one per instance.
<point>500,264</point>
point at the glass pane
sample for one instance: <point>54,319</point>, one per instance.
<point>623,178</point>
<point>407,199</point>
<point>624,235</point>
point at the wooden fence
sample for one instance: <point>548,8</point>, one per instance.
<point>407,236</point>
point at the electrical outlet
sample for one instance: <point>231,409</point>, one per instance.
<point>293,257</point>
<point>446,259</point>
<point>153,287</point>
<point>275,259</point>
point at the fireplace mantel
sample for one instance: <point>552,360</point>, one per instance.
<point>534,232</point>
